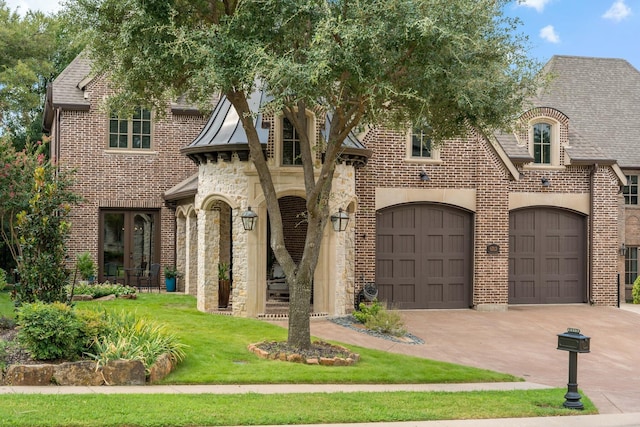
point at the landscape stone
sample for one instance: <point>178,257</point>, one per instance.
<point>124,372</point>
<point>82,373</point>
<point>33,375</point>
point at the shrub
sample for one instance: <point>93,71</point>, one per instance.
<point>101,290</point>
<point>635,291</point>
<point>376,318</point>
<point>43,228</point>
<point>50,331</point>
<point>365,312</point>
<point>85,265</point>
<point>133,338</point>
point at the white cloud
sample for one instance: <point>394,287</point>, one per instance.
<point>549,34</point>
<point>538,5</point>
<point>618,11</point>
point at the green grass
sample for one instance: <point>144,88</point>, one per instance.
<point>256,409</point>
<point>217,351</point>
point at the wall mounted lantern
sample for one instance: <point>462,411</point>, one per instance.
<point>424,176</point>
<point>545,182</point>
<point>340,220</point>
<point>249,219</point>
<point>623,249</point>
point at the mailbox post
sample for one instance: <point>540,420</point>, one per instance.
<point>573,342</point>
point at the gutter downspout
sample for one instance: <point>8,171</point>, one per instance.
<point>591,233</point>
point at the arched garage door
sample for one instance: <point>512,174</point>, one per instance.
<point>547,256</point>
<point>424,256</point>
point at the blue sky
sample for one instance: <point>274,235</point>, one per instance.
<point>600,28</point>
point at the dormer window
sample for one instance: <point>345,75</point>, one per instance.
<point>290,144</point>
<point>542,143</point>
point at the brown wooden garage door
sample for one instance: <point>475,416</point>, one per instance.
<point>423,256</point>
<point>547,257</point>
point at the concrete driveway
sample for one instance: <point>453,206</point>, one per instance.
<point>522,342</point>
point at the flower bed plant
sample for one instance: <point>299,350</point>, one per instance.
<point>102,289</point>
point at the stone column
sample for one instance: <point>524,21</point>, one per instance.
<point>181,248</point>
<point>191,267</point>
<point>208,257</point>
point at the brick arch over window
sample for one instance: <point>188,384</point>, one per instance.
<point>559,134</point>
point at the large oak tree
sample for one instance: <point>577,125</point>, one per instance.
<point>454,64</point>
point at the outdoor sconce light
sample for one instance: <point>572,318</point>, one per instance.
<point>424,176</point>
<point>623,249</point>
<point>249,219</point>
<point>545,182</point>
<point>340,220</point>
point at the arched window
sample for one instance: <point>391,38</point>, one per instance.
<point>542,143</point>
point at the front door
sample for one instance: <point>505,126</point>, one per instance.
<point>128,240</point>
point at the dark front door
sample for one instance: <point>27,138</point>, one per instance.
<point>423,256</point>
<point>128,239</point>
<point>547,256</point>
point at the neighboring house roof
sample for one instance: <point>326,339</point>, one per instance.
<point>224,134</point>
<point>601,97</point>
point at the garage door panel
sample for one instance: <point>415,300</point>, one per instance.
<point>385,243</point>
<point>523,290</point>
<point>406,293</point>
<point>385,292</point>
<point>456,267</point>
<point>435,293</point>
<point>455,243</point>
<point>434,244</point>
<point>440,262</point>
<point>456,292</point>
<point>406,268</point>
<point>404,219</point>
<point>547,256</point>
<point>405,244</point>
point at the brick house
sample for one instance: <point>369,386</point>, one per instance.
<point>123,166</point>
<point>483,221</point>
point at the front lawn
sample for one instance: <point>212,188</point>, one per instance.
<point>217,351</point>
<point>217,354</point>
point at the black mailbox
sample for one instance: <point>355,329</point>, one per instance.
<point>573,340</point>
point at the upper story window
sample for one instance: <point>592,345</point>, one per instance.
<point>630,191</point>
<point>290,144</point>
<point>131,133</point>
<point>420,143</point>
<point>542,143</point>
<point>420,146</point>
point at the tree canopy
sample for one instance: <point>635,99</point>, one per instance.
<point>34,48</point>
<point>453,64</point>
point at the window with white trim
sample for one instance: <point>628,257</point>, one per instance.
<point>290,144</point>
<point>420,145</point>
<point>542,143</point>
<point>131,133</point>
<point>630,191</point>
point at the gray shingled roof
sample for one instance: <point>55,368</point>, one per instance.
<point>601,97</point>
<point>67,92</point>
